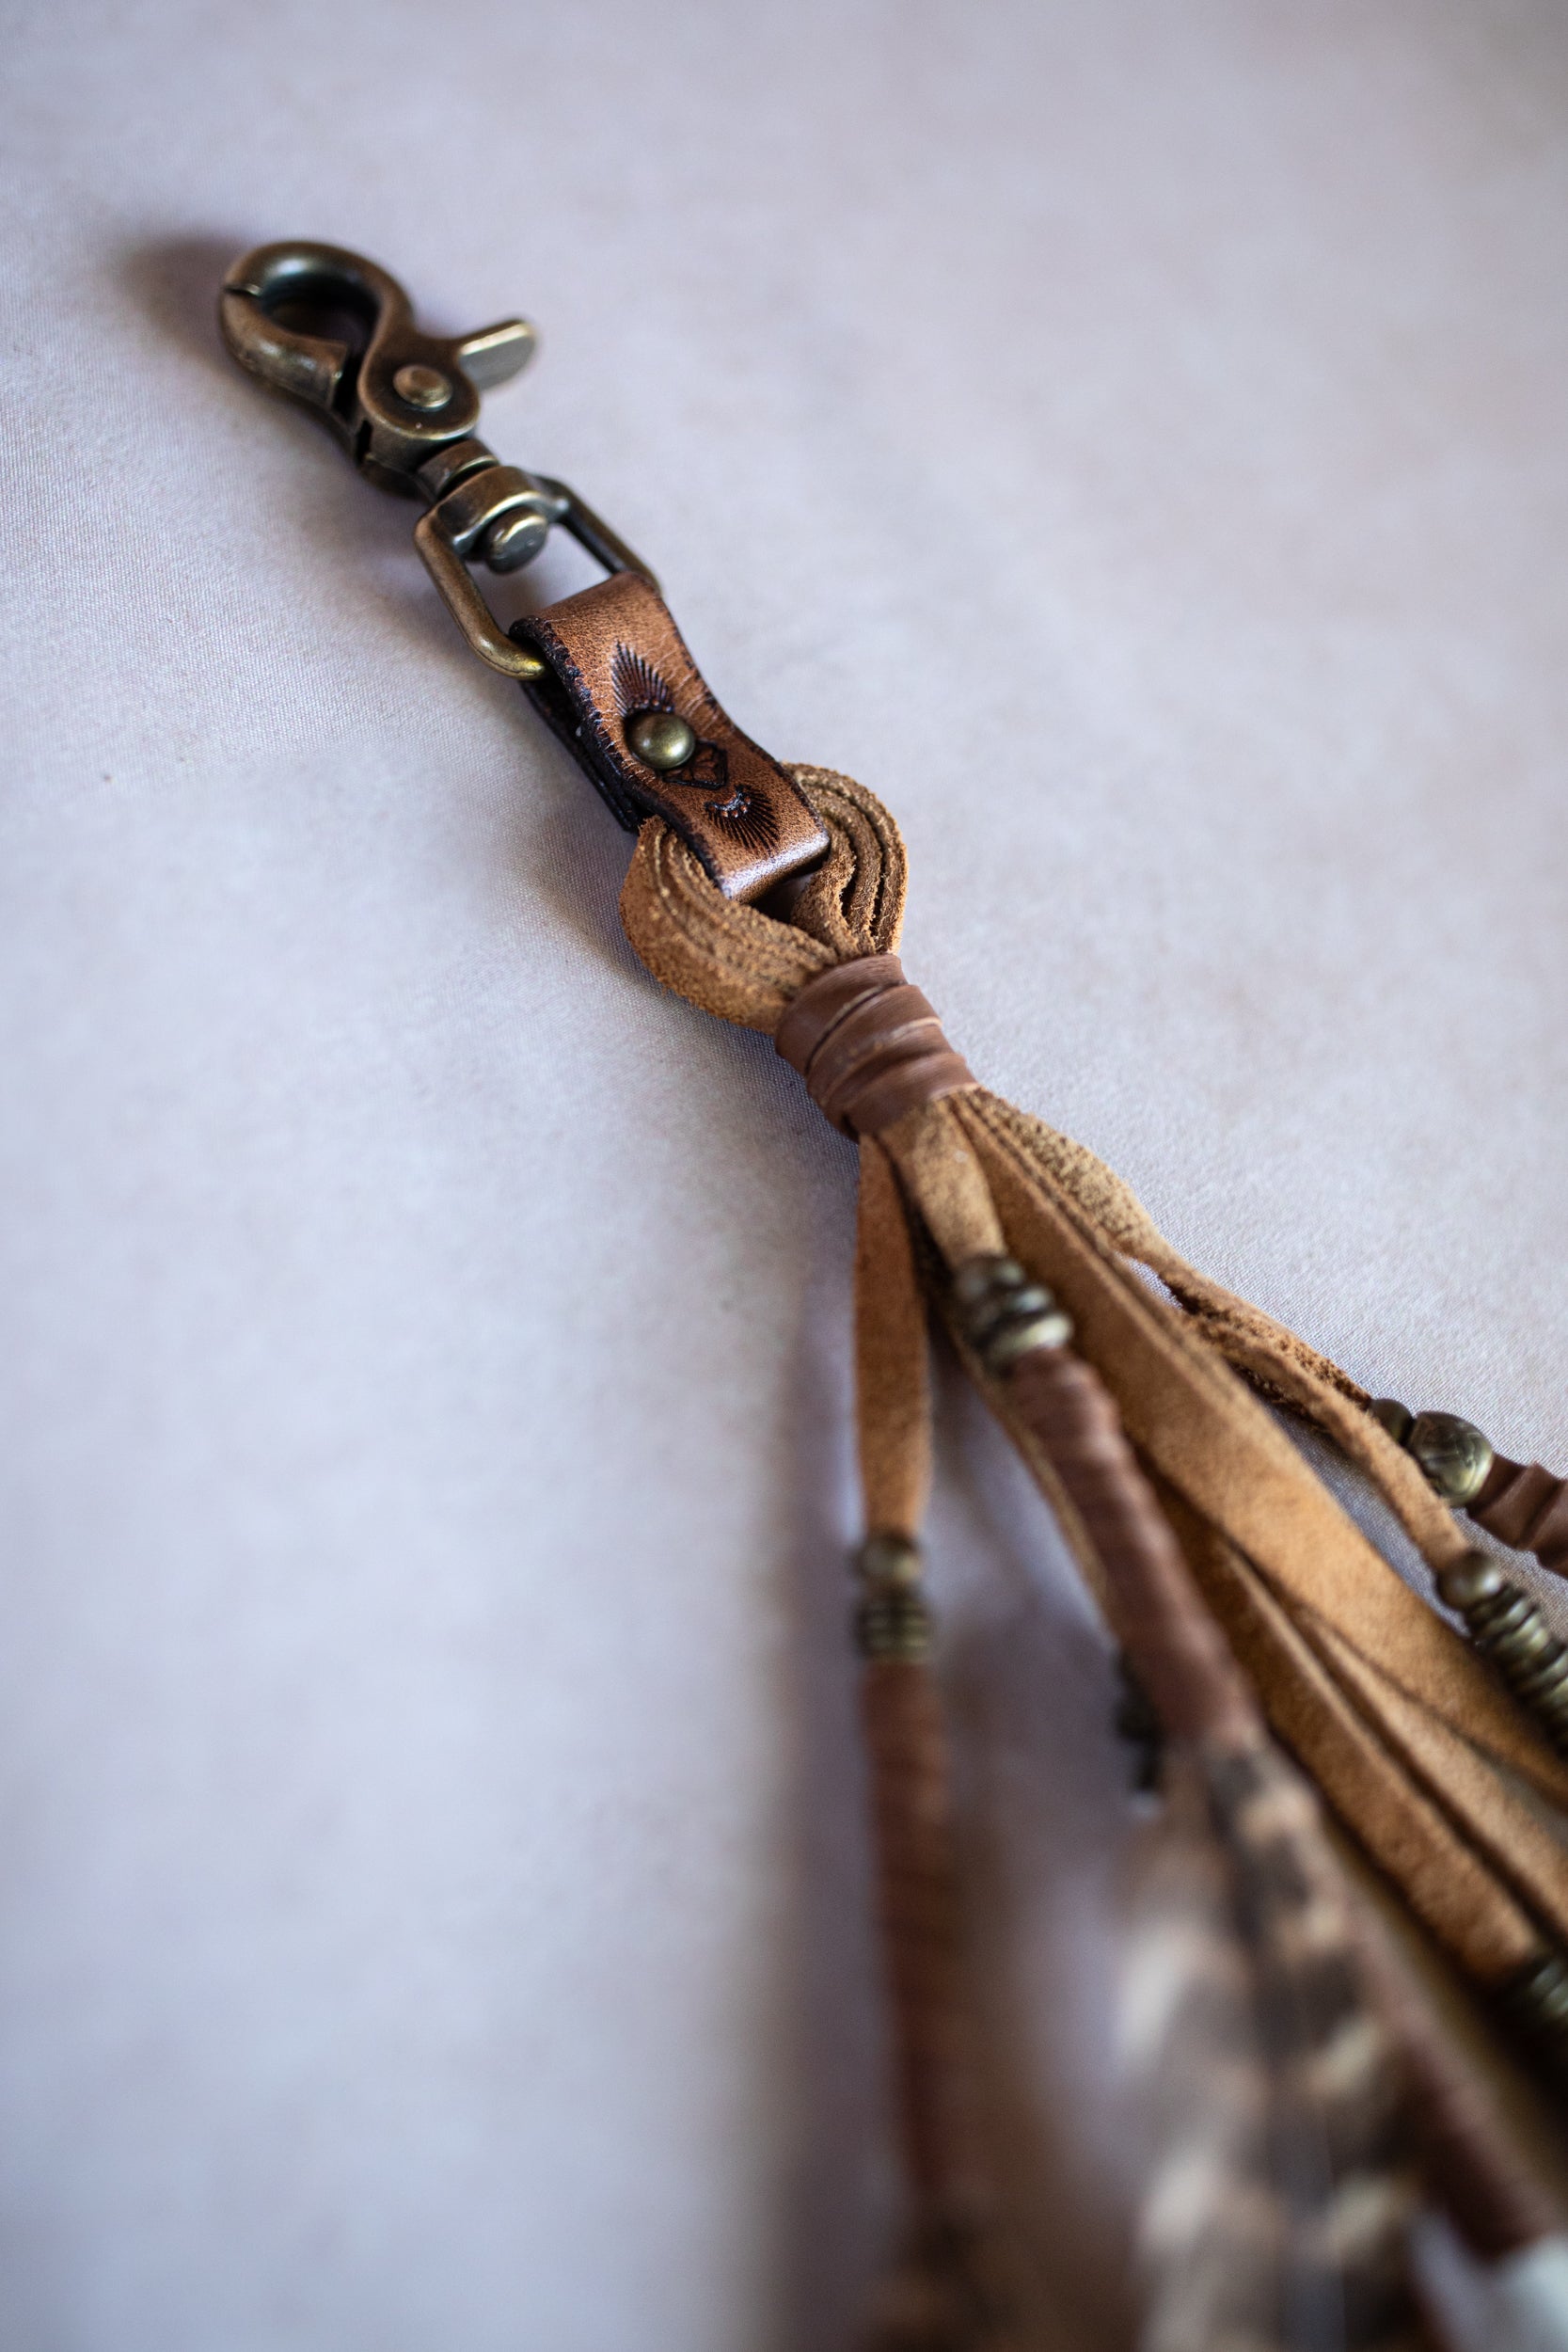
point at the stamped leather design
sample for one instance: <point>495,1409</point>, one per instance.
<point>614,650</point>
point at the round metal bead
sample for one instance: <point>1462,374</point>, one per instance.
<point>1471,1580</point>
<point>422,387</point>
<point>1454,1452</point>
<point>1396,1418</point>
<point>890,1562</point>
<point>661,740</point>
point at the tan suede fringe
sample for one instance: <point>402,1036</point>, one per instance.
<point>1419,1749</point>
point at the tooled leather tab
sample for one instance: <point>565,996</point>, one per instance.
<point>614,650</point>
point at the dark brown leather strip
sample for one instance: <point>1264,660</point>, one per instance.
<point>1525,1506</point>
<point>1176,1649</point>
<point>918,1900</point>
<point>614,650</point>
<point>868,1046</point>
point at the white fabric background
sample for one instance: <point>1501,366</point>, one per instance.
<point>1131,438</point>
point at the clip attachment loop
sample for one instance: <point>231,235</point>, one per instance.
<point>395,396</point>
<point>336,332</point>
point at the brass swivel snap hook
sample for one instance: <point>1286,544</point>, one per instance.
<point>396,397</point>
<point>336,332</point>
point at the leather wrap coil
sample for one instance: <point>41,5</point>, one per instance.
<point>868,1046</point>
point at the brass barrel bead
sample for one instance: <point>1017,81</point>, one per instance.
<point>1512,1629</point>
<point>894,1619</point>
<point>1004,1314</point>
<point>1547,1693</point>
<point>894,1624</point>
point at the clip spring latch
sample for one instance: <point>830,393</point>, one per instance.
<point>606,667</point>
<point>336,333</point>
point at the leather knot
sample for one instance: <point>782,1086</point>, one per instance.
<point>868,1046</point>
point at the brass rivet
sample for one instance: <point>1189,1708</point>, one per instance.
<point>516,540</point>
<point>659,738</point>
<point>422,387</point>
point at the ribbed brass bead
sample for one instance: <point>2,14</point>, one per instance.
<point>1504,1622</point>
<point>893,1619</point>
<point>1003,1314</point>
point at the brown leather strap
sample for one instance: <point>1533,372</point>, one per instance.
<point>868,1046</point>
<point>893,1386</point>
<point>1525,1506</point>
<point>613,651</point>
<point>1175,1646</point>
<point>911,1811</point>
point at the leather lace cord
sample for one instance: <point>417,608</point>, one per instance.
<point>1174,1643</point>
<point>941,2292</point>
